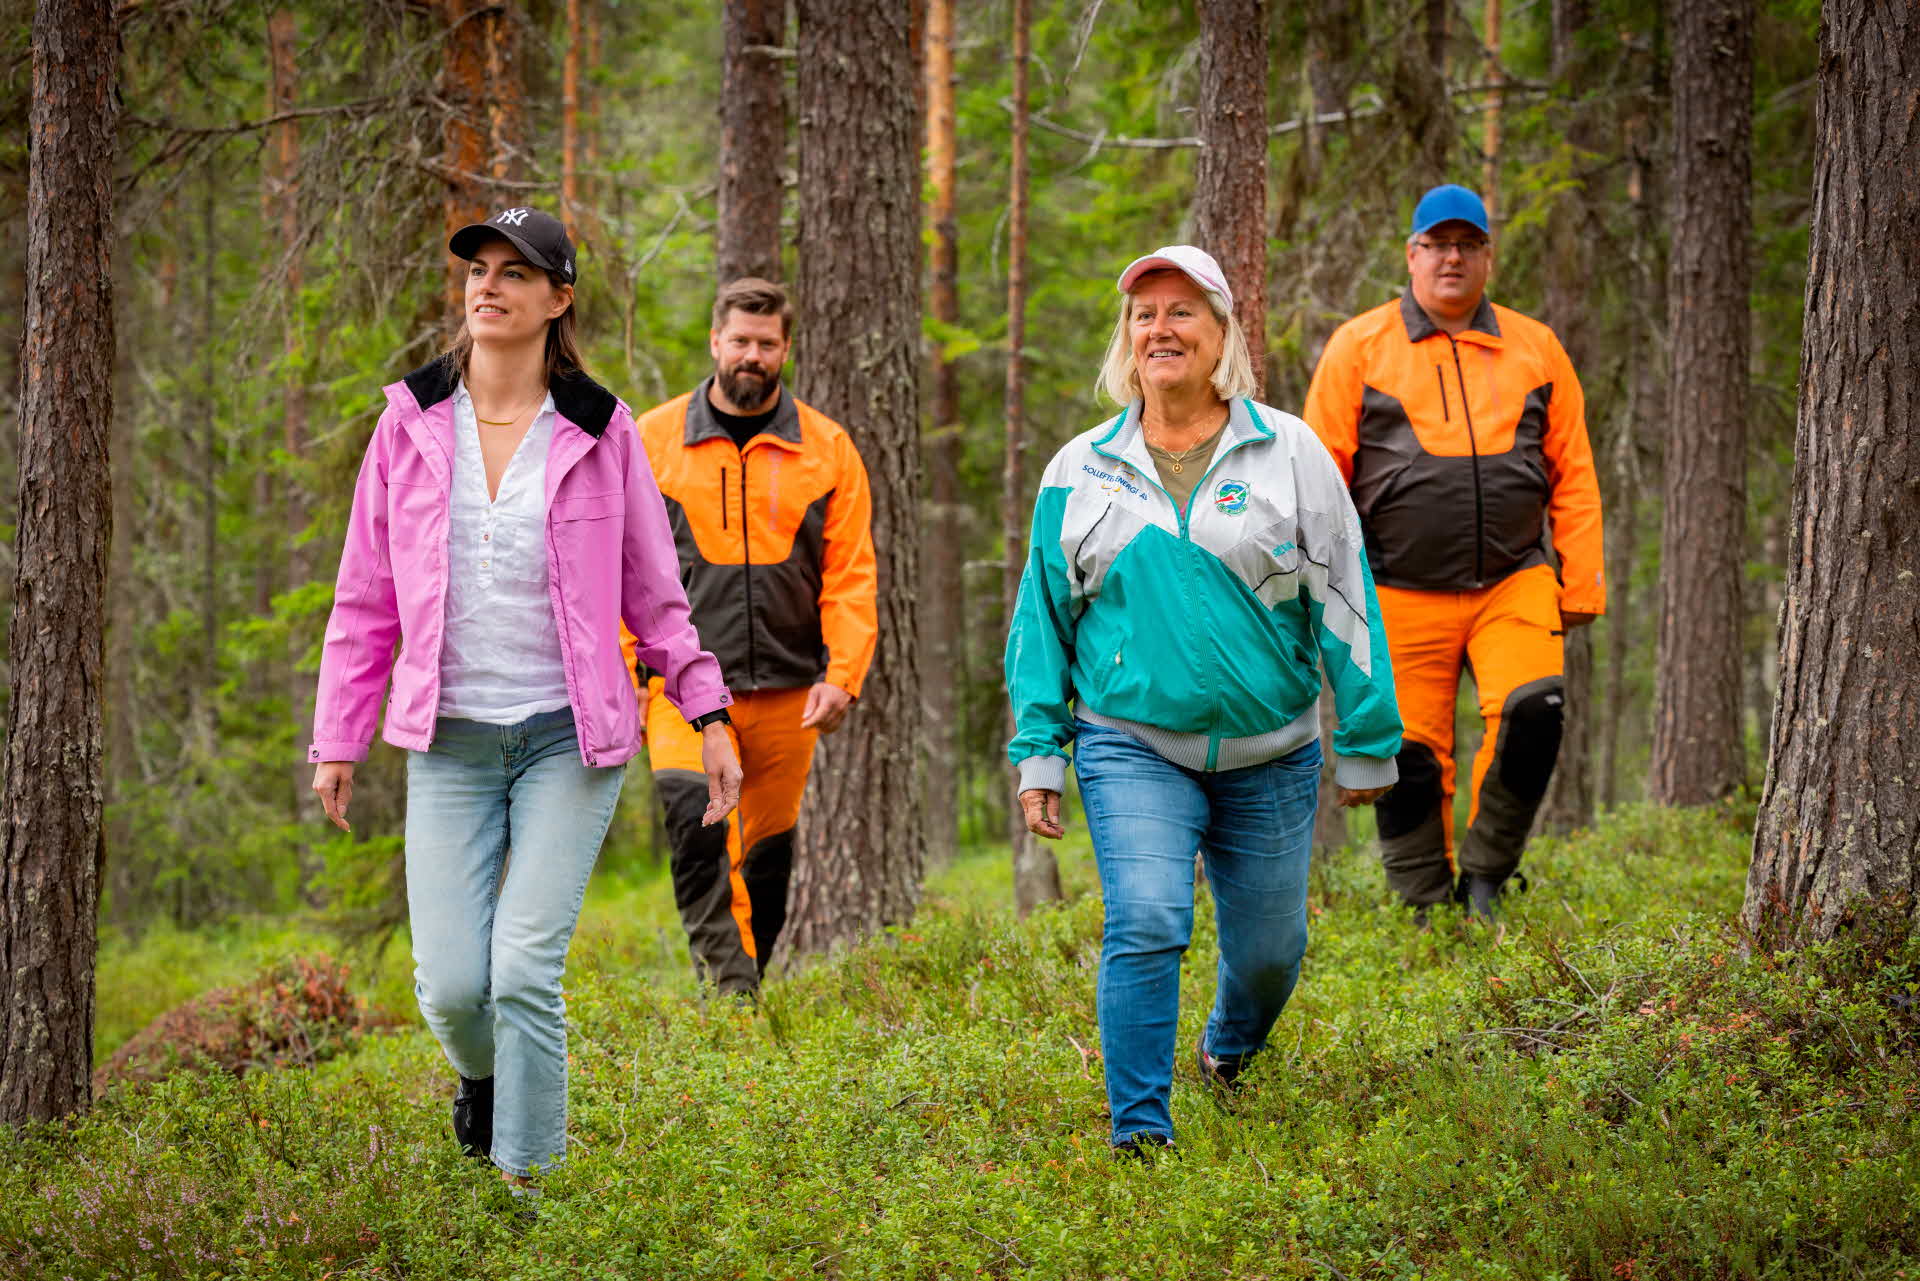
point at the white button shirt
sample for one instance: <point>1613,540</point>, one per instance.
<point>500,661</point>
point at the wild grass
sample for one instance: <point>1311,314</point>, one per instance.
<point>1606,1089</point>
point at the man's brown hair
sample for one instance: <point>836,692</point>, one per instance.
<point>756,297</point>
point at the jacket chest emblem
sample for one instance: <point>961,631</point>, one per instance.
<point>1231,496</point>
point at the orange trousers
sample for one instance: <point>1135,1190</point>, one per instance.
<point>1508,637</point>
<point>730,880</point>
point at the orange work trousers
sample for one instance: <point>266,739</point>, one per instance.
<point>730,880</point>
<point>1508,637</point>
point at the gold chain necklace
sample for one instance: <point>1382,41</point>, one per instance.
<point>507,422</point>
<point>1177,461</point>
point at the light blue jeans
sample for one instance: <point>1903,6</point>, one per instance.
<point>504,823</point>
<point>1147,817</point>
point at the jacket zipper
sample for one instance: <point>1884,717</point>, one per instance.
<point>1446,415</point>
<point>723,498</point>
<point>1473,446</point>
<point>1186,536</point>
<point>746,568</point>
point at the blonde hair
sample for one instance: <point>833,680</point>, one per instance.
<point>1232,378</point>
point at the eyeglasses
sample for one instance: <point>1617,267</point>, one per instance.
<point>1445,248</point>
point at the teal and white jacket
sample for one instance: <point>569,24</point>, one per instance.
<point>1201,635</point>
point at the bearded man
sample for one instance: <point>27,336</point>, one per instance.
<point>773,519</point>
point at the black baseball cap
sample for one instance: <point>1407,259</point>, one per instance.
<point>540,236</point>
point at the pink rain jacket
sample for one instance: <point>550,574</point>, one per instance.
<point>610,557</point>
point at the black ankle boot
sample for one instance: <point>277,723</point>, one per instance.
<point>473,1118</point>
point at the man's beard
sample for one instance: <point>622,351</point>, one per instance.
<point>746,388</point>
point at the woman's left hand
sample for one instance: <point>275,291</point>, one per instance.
<point>1354,797</point>
<point>722,765</point>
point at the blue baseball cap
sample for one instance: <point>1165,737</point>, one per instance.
<point>1449,203</point>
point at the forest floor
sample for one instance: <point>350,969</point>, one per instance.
<point>1607,1088</point>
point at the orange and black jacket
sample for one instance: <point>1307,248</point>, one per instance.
<point>775,542</point>
<point>1461,452</point>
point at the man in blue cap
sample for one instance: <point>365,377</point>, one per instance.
<point>1461,430</point>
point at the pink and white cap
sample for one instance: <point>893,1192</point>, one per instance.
<point>1197,265</point>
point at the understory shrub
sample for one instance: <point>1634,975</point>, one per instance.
<point>1606,1087</point>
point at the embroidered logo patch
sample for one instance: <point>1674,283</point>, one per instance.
<point>1230,496</point>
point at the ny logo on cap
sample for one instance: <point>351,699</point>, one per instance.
<point>512,217</point>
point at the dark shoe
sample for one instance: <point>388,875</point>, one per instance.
<point>473,1118</point>
<point>1482,893</point>
<point>1144,1147</point>
<point>1222,1072</point>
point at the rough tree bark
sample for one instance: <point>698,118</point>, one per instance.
<point>940,554</point>
<point>570,120</point>
<point>1698,753</point>
<point>283,211</point>
<point>1839,821</point>
<point>1637,138</point>
<point>1230,174</point>
<point>1490,128</point>
<point>480,79</point>
<point>861,845</point>
<point>1418,93</point>
<point>753,140</point>
<point>1569,802</point>
<point>51,846</point>
<point>1333,28</point>
<point>507,80</point>
<point>590,190</point>
<point>1036,873</point>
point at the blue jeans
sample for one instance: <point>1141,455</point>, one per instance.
<point>490,932</point>
<point>1147,817</point>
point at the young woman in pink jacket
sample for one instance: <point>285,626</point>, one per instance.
<point>504,525</point>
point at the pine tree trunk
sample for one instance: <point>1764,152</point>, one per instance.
<point>1569,802</point>
<point>1329,816</point>
<point>1697,748</point>
<point>1421,98</point>
<point>1490,129</point>
<point>1839,820</point>
<point>283,33</point>
<point>944,543</point>
<point>1332,28</point>
<point>481,80</point>
<point>1036,873</point>
<point>209,413</point>
<point>590,191</point>
<point>570,120</point>
<point>753,140</point>
<point>1230,175</point>
<point>861,845</point>
<point>51,848</point>
<point>507,96</point>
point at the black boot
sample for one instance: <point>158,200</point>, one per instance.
<point>473,1118</point>
<point>1481,893</point>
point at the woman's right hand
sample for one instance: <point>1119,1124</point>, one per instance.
<point>1041,809</point>
<point>333,780</point>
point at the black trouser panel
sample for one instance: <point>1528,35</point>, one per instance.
<point>767,872</point>
<point>1413,843</point>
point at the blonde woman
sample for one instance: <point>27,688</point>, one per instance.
<point>1195,564</point>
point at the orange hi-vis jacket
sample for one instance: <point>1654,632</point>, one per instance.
<point>1461,451</point>
<point>775,542</point>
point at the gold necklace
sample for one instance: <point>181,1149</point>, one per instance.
<point>1177,461</point>
<point>506,422</point>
